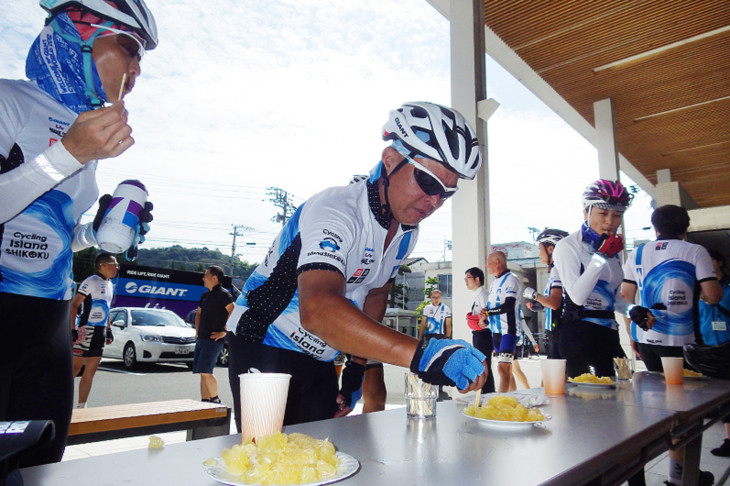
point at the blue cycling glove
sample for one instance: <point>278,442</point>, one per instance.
<point>352,376</point>
<point>447,362</point>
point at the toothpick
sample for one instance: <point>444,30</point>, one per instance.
<point>121,88</point>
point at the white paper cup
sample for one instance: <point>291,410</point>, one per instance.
<point>673,370</point>
<point>263,402</point>
<point>553,375</point>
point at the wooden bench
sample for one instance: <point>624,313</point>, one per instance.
<point>200,419</point>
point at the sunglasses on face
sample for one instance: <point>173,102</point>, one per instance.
<point>129,41</point>
<point>428,181</point>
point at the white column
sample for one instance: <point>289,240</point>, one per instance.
<point>470,228</point>
<point>608,164</point>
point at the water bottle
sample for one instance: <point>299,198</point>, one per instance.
<point>121,220</point>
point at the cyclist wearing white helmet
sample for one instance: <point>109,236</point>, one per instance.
<point>323,288</point>
<point>51,137</point>
<point>552,298</point>
<point>590,270</point>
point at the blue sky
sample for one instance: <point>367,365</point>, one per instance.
<point>243,95</point>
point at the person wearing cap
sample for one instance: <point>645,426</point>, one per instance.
<point>666,272</point>
<point>53,130</point>
<point>552,298</point>
<point>324,286</point>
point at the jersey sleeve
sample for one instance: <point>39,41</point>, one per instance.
<point>447,311</point>
<point>327,235</point>
<point>703,265</point>
<point>88,286</point>
<point>630,268</point>
<point>555,282</point>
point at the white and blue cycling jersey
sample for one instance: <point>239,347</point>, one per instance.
<point>435,317</point>
<point>666,272</point>
<point>44,192</point>
<point>334,230</point>
<point>591,282</point>
<point>552,283</point>
<point>502,288</point>
<point>96,305</point>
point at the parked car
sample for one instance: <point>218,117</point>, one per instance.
<point>223,357</point>
<point>151,336</point>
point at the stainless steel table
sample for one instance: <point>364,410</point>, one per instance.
<point>597,441</point>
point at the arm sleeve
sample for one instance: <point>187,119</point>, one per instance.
<point>32,178</point>
<point>577,286</point>
<point>507,306</point>
<point>84,237</point>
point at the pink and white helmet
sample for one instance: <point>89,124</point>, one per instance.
<point>438,133</point>
<point>605,194</point>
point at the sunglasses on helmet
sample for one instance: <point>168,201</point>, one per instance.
<point>428,181</point>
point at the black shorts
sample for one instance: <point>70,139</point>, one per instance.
<point>553,344</point>
<point>482,340</point>
<point>313,386</point>
<point>651,355</point>
<point>586,345</point>
<point>504,346</point>
<point>90,343</point>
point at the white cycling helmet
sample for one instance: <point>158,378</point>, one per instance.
<point>132,14</point>
<point>438,133</point>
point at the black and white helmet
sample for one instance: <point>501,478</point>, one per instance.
<point>438,133</point>
<point>550,236</point>
<point>132,14</point>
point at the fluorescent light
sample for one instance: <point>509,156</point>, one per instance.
<point>687,107</point>
<point>662,49</point>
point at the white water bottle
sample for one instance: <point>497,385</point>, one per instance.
<point>121,220</point>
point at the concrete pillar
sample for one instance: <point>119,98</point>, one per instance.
<point>608,160</point>
<point>470,214</point>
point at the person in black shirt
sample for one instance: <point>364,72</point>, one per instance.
<point>210,329</point>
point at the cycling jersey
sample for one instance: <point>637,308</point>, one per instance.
<point>715,319</point>
<point>590,281</point>
<point>553,282</point>
<point>97,303</point>
<point>435,317</point>
<point>666,272</point>
<point>480,302</point>
<point>45,191</point>
<point>335,230</point>
<point>501,289</point>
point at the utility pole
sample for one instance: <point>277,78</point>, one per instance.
<point>233,246</point>
<point>447,246</point>
<point>281,199</point>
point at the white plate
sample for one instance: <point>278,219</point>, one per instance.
<point>593,385</point>
<point>505,424</point>
<point>348,466</point>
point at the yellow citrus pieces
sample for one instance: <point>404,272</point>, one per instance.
<point>280,459</point>
<point>589,378</point>
<point>505,408</point>
<point>692,374</point>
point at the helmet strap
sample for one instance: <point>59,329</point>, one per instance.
<point>385,177</point>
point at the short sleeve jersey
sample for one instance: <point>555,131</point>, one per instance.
<point>553,282</point>
<point>97,302</point>
<point>335,230</point>
<point>572,255</point>
<point>501,288</point>
<point>666,271</point>
<point>435,317</point>
<point>213,313</point>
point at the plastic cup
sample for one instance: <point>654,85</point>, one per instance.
<point>263,402</point>
<point>553,376</point>
<point>420,397</point>
<point>119,226</point>
<point>673,370</point>
<point>623,367</point>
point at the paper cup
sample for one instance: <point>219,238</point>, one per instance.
<point>553,375</point>
<point>263,402</point>
<point>673,370</point>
